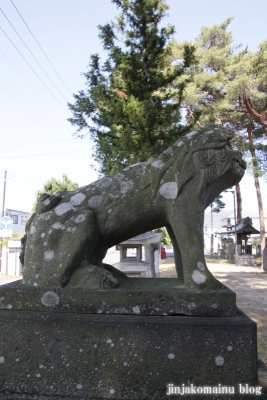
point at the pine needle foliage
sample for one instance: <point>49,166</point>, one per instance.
<point>131,104</point>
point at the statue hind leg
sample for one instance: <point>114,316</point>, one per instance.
<point>59,245</point>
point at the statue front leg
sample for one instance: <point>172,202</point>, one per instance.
<point>177,254</point>
<point>188,231</point>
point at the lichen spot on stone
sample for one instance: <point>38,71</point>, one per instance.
<point>63,208</point>
<point>79,219</point>
<point>192,305</point>
<point>58,225</point>
<point>198,277</point>
<point>71,229</point>
<point>119,176</point>
<point>136,310</point>
<point>94,201</point>
<point>179,143</point>
<point>50,299</point>
<point>219,361</point>
<point>48,255</point>
<point>77,199</point>
<point>32,230</point>
<point>171,356</point>
<point>169,190</point>
<point>201,266</point>
<point>190,134</point>
<point>126,186</point>
<point>2,360</point>
<point>104,182</point>
<point>158,164</point>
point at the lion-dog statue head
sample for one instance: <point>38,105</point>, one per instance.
<point>68,236</point>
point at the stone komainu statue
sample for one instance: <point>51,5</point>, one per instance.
<point>70,232</point>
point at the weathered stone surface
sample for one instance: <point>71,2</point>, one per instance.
<point>71,356</point>
<point>68,236</point>
<point>136,297</point>
<point>264,259</point>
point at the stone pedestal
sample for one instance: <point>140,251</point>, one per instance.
<point>70,355</point>
<point>137,296</point>
<point>245,260</point>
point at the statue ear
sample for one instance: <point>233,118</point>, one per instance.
<point>46,202</point>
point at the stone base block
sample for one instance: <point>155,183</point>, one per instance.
<point>84,356</point>
<point>136,296</point>
<point>245,260</point>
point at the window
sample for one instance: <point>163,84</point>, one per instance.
<point>14,218</point>
<point>24,219</point>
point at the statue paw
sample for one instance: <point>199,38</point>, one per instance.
<point>108,280</point>
<point>201,281</point>
<point>92,277</point>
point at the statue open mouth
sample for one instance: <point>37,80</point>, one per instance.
<point>238,165</point>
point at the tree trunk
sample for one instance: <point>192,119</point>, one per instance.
<point>261,214</point>
<point>257,186</point>
<point>238,202</point>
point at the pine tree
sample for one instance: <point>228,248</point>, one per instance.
<point>131,106</point>
<point>228,85</point>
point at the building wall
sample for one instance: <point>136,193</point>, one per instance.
<point>20,219</point>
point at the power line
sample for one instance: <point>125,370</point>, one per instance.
<point>36,93</point>
<point>43,154</point>
<point>32,68</point>
<point>34,56</point>
<point>27,111</point>
<point>52,169</point>
<point>25,101</point>
<point>35,143</point>
<point>41,48</point>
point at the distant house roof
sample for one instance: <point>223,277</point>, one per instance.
<point>245,226</point>
<point>23,212</point>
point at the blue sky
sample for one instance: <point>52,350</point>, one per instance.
<point>36,139</point>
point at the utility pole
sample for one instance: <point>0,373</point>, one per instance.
<point>4,194</point>
<point>211,235</point>
<point>3,214</point>
<point>234,193</point>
